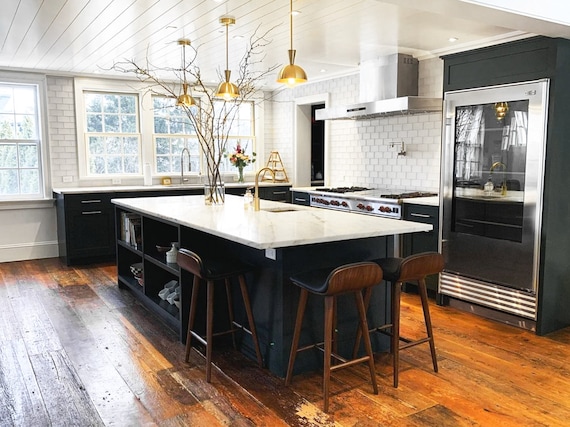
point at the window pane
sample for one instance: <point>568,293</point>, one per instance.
<point>114,164</point>
<point>128,105</point>
<point>131,164</point>
<point>160,125</point>
<point>9,182</point>
<point>111,123</point>
<point>128,124</point>
<point>94,123</point>
<point>110,104</point>
<point>97,165</point>
<point>29,156</point>
<point>7,99</point>
<point>25,100</point>
<point>26,127</point>
<point>8,156</point>
<point>163,164</point>
<point>162,146</point>
<point>96,145</point>
<point>113,146</point>
<point>131,145</point>
<point>7,126</point>
<point>29,181</point>
<point>93,103</point>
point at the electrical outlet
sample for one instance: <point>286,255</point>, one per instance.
<point>116,181</point>
<point>67,179</point>
<point>271,253</point>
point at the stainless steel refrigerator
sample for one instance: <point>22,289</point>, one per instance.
<point>493,152</point>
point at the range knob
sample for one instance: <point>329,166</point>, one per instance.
<point>344,204</point>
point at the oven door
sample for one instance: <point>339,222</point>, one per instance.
<point>492,171</point>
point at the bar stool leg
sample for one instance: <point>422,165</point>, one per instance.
<point>424,297</point>
<point>367,343</point>
<point>395,342</point>
<point>296,334</point>
<point>192,316</point>
<point>249,312</point>
<point>367,298</point>
<point>209,328</point>
<point>230,311</point>
<point>328,337</point>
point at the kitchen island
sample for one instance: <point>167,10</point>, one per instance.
<point>278,241</point>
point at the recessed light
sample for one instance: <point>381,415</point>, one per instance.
<point>238,37</point>
<point>295,12</point>
<point>323,70</point>
<point>452,39</point>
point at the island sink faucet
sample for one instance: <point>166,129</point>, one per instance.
<point>182,179</point>
<point>504,184</point>
<point>256,193</point>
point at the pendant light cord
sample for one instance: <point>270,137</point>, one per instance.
<point>291,22</point>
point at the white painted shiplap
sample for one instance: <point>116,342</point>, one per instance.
<point>86,37</point>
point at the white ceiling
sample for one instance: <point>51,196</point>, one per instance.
<point>86,37</point>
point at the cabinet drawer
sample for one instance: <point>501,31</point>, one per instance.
<point>300,198</point>
<point>89,202</point>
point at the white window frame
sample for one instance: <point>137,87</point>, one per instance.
<point>45,182</point>
<point>146,126</point>
<point>114,87</point>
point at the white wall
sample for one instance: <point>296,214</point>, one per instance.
<point>360,151</point>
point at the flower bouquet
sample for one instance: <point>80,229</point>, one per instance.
<point>240,159</point>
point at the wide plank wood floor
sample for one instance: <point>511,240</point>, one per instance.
<point>77,351</point>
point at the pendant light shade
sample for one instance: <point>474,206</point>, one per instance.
<point>184,100</point>
<point>291,74</point>
<point>226,89</point>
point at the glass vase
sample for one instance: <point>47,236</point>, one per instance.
<point>214,194</point>
<point>240,176</point>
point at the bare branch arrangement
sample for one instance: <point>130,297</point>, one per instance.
<point>210,123</point>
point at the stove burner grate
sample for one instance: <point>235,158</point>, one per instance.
<point>408,195</point>
<point>341,189</point>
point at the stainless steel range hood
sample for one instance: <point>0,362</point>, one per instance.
<point>388,87</point>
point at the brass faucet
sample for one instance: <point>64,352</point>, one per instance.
<point>504,184</point>
<point>256,193</point>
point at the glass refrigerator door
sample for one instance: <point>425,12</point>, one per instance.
<point>494,140</point>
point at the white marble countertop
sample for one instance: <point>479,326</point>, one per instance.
<point>124,188</point>
<point>295,225</point>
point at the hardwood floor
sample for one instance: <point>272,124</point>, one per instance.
<point>77,351</point>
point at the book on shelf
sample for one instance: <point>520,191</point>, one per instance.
<point>131,229</point>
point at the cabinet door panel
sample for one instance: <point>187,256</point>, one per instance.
<point>90,232</point>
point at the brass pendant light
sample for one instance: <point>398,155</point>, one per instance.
<point>227,90</point>
<point>184,99</point>
<point>291,74</point>
<point>501,110</point>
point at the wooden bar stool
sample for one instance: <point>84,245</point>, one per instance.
<point>349,278</point>
<point>413,268</point>
<point>211,271</point>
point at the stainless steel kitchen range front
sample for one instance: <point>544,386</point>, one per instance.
<point>363,200</point>
<point>493,154</point>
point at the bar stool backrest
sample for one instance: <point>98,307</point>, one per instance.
<point>352,277</point>
<point>416,267</point>
<point>190,261</point>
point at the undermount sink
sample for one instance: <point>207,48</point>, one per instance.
<point>277,210</point>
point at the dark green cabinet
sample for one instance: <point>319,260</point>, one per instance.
<point>300,198</point>
<point>86,221</point>
<point>414,243</point>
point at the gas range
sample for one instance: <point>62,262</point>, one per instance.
<point>363,200</point>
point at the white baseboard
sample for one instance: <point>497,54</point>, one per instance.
<point>28,251</point>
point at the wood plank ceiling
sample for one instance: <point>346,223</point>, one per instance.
<point>86,37</point>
